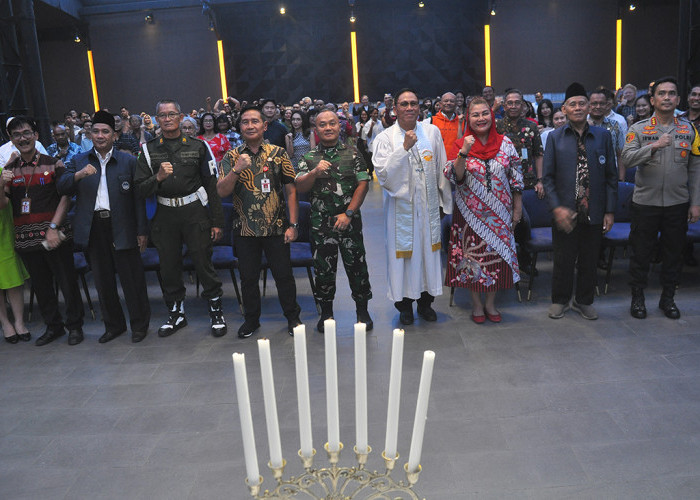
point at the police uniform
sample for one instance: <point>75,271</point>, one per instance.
<point>330,196</point>
<point>666,183</point>
<point>182,217</point>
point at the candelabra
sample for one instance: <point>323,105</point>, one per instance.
<point>333,482</point>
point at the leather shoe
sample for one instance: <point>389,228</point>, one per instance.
<point>637,308</point>
<point>49,336</point>
<point>479,320</point>
<point>107,336</point>
<point>427,313</point>
<point>75,336</point>
<point>12,339</point>
<point>25,337</point>
<point>670,309</point>
<point>406,317</point>
<point>138,336</point>
<point>248,328</point>
<point>292,324</point>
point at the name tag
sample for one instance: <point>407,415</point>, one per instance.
<point>523,156</point>
<point>265,185</point>
<point>26,206</point>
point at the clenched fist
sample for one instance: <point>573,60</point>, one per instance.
<point>165,171</point>
<point>409,140</point>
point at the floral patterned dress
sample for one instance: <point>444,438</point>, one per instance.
<point>219,145</point>
<point>481,255</point>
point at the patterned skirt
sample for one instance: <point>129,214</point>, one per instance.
<point>472,263</point>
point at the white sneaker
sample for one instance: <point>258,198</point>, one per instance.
<point>556,311</point>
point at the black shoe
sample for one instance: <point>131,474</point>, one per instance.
<point>49,336</point>
<point>326,313</point>
<point>638,308</point>
<point>427,313</point>
<point>364,317</point>
<point>176,319</point>
<point>13,339</point>
<point>292,324</point>
<point>248,328</point>
<point>25,337</point>
<point>218,323</point>
<point>137,337</point>
<point>75,336</point>
<point>406,317</point>
<point>107,336</point>
<point>668,306</point>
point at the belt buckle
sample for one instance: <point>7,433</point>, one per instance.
<point>176,202</point>
<point>104,214</point>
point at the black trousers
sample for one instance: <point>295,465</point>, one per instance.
<point>188,225</point>
<point>577,250</point>
<point>44,266</point>
<point>105,263</point>
<point>647,222</point>
<point>522,236</point>
<point>249,250</point>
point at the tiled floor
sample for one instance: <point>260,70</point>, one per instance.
<point>531,408</point>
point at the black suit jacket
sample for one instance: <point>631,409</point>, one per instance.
<point>128,211</point>
<point>559,171</point>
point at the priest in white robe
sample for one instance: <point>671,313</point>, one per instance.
<point>409,158</point>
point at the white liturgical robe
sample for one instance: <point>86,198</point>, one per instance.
<point>414,190</point>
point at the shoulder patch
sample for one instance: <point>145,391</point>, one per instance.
<point>630,137</point>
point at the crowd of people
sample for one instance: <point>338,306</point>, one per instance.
<point>468,156</point>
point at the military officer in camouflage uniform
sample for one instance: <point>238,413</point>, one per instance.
<point>180,172</point>
<point>335,175</point>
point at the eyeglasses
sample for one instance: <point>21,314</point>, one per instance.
<point>408,104</point>
<point>513,104</point>
<point>171,116</point>
<point>27,134</point>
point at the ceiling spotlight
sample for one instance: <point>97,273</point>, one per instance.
<point>493,8</point>
<point>421,4</point>
<point>149,19</point>
<point>211,25</point>
<point>283,11</point>
<point>353,18</point>
<point>632,7</point>
<point>77,38</point>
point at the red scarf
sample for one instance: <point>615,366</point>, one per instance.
<point>482,151</point>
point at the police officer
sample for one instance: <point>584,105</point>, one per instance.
<point>180,172</point>
<point>666,194</point>
<point>337,179</point>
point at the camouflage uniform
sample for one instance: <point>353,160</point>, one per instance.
<point>329,197</point>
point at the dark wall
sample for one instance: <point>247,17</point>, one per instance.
<point>136,64</point>
<point>307,51</point>
<point>66,77</point>
<point>547,44</point>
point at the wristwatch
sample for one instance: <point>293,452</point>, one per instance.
<point>462,155</point>
<point>350,213</point>
<point>53,226</point>
<point>294,225</point>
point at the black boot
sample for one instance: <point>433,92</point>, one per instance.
<point>363,315</point>
<point>638,309</point>
<point>405,308</point>
<point>424,308</point>
<point>218,323</point>
<point>176,319</point>
<point>326,313</point>
<point>667,305</point>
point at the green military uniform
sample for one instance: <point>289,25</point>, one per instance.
<point>329,197</point>
<point>181,216</point>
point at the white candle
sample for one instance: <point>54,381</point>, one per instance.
<point>426,377</point>
<point>331,386</point>
<point>251,456</point>
<point>392,414</point>
<point>361,387</point>
<point>268,383</point>
<point>302,372</point>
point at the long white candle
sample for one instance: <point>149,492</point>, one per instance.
<point>251,456</point>
<point>426,377</point>
<point>302,372</point>
<point>392,414</point>
<point>361,387</point>
<point>331,386</point>
<point>268,383</point>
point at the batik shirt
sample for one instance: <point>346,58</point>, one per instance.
<point>526,138</point>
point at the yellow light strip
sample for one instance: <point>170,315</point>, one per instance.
<point>355,75</point>
<point>222,70</point>
<point>93,81</point>
<point>618,56</point>
<point>487,53</point>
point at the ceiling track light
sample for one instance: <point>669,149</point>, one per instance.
<point>283,11</point>
<point>421,4</point>
<point>352,17</point>
<point>149,18</point>
<point>632,7</point>
<point>493,8</point>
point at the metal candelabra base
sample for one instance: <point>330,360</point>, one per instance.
<point>340,483</point>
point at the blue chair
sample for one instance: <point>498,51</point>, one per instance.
<point>540,232</point>
<point>301,253</point>
<point>619,235</point>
